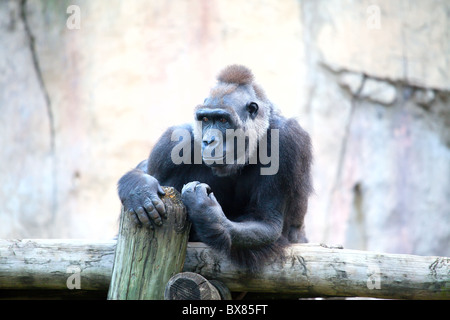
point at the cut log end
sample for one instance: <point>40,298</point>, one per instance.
<point>190,286</point>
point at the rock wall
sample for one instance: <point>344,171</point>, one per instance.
<point>84,100</point>
<point>379,116</point>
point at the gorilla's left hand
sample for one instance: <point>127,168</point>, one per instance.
<point>202,206</point>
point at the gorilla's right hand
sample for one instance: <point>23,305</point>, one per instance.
<point>139,193</point>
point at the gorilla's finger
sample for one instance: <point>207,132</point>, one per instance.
<point>204,188</point>
<point>159,206</point>
<point>161,191</point>
<point>213,197</point>
<point>142,215</point>
<point>153,214</point>
<point>189,187</point>
<point>148,205</point>
<point>134,217</point>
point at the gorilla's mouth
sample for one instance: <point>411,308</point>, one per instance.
<point>214,161</point>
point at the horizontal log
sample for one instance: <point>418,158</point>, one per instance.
<point>48,263</point>
<point>306,270</point>
<point>312,270</point>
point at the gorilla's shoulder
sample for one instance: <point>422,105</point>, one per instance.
<point>294,144</point>
<point>160,156</point>
<point>182,127</point>
<point>290,130</point>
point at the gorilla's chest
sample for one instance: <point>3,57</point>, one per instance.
<point>233,196</point>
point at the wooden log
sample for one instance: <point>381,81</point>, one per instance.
<point>312,270</point>
<point>29,264</point>
<point>307,270</point>
<point>223,290</point>
<point>146,259</point>
<point>190,286</point>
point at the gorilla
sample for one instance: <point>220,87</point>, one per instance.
<point>244,172</point>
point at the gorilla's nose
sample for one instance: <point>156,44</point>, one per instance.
<point>208,140</point>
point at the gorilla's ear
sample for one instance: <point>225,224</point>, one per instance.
<point>252,109</point>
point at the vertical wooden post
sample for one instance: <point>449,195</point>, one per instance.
<point>146,259</point>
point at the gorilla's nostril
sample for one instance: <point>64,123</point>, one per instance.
<point>209,140</point>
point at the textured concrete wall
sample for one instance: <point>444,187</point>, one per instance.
<point>368,80</point>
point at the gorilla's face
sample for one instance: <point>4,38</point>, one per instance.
<point>225,139</point>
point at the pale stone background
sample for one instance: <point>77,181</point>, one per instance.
<point>369,80</point>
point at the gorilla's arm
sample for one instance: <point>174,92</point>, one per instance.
<point>254,233</point>
<point>213,227</point>
<point>139,189</point>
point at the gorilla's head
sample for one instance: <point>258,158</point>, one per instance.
<point>232,120</point>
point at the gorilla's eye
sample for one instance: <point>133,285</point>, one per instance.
<point>252,108</point>
<point>223,120</point>
<point>205,119</point>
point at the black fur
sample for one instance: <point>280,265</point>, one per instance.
<point>245,215</point>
